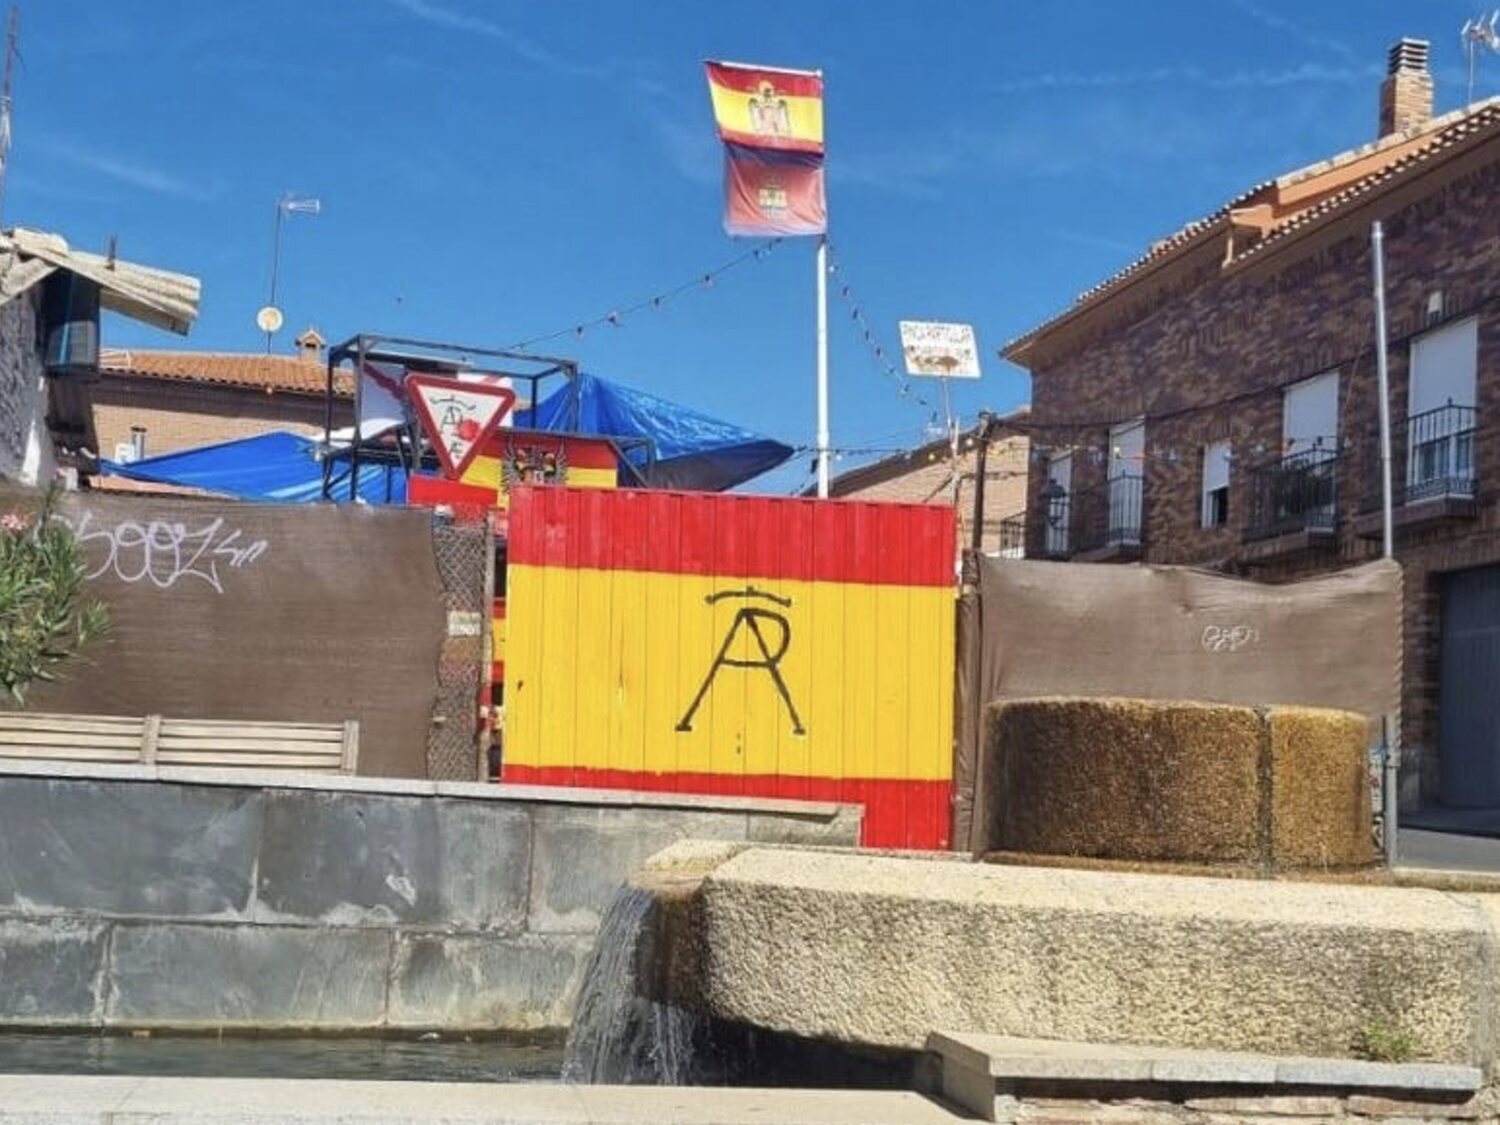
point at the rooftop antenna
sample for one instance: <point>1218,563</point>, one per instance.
<point>269,319</point>
<point>12,54</point>
<point>1476,34</point>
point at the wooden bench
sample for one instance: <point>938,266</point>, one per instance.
<point>152,739</point>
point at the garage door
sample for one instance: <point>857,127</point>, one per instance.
<point>1468,713</point>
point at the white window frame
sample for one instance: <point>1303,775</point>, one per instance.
<point>1216,466</point>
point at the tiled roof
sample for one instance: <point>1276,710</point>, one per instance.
<point>1472,126</point>
<point>226,369</point>
<point>1441,133</point>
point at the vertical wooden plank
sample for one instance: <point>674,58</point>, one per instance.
<point>698,640</point>
<point>349,759</point>
<point>150,734</point>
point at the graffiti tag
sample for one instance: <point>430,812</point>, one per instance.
<point>1229,638</point>
<point>162,552</point>
<point>755,621</point>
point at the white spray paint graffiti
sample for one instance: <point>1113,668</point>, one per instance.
<point>163,552</point>
<point>1229,638</point>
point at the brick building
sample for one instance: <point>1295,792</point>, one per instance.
<point>163,401</point>
<point>1214,404</point>
<point>925,476</point>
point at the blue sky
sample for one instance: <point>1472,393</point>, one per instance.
<point>491,171</point>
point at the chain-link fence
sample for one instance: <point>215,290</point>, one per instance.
<point>464,545</point>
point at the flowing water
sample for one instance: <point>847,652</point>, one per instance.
<point>619,1033</point>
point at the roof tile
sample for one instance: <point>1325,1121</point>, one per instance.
<point>228,369</point>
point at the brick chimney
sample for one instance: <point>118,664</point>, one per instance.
<point>1406,93</point>
<point>310,346</point>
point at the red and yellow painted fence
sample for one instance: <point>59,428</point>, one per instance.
<point>714,643</point>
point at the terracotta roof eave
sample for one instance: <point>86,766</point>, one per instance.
<point>344,391</point>
<point>1427,160</point>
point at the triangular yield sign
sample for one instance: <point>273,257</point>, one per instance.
<point>457,416</point>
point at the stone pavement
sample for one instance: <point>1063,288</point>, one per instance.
<point>95,1100</point>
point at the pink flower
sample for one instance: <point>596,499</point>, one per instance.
<point>13,521</point>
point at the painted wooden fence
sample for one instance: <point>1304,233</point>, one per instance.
<point>717,643</point>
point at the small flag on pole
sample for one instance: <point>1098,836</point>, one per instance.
<point>771,123</point>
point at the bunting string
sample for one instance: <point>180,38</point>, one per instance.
<point>615,318</point>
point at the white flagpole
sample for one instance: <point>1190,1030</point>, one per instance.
<point>823,366</point>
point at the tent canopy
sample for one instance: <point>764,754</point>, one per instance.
<point>692,451</point>
<point>278,466</point>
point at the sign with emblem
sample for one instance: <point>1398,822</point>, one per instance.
<point>457,416</point>
<point>947,351</point>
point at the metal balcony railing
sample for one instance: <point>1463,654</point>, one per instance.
<point>1295,493</point>
<point>1110,516</point>
<point>1439,447</point>
<point>1012,543</point>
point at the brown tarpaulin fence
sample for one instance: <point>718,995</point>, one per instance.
<point>232,610</point>
<point>1159,632</point>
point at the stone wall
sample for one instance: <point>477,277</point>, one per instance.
<point>25,441</point>
<point>137,897</point>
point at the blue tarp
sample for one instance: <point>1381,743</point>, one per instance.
<point>692,450</point>
<point>278,466</point>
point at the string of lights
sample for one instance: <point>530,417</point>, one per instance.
<point>882,359</point>
<point>615,318</point>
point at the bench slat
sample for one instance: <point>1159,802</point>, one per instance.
<point>237,725</point>
<point>68,753</point>
<point>238,746</point>
<point>68,738</point>
<point>170,729</point>
<point>99,725</point>
<point>320,762</point>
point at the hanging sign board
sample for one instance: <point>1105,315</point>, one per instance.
<point>945,350</point>
<point>458,416</point>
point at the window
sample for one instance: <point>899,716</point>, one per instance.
<point>1440,412</point>
<point>1310,415</point>
<point>1216,484</point>
<point>1127,457</point>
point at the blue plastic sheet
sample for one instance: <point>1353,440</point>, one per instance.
<point>691,450</point>
<point>276,467</point>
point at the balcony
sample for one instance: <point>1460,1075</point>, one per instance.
<point>1293,504</point>
<point>1432,472</point>
<point>1012,544</point>
<point>1108,520</point>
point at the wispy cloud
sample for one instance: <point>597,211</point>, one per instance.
<point>1290,28</point>
<point>526,49</point>
<point>131,172</point>
<point>692,149</point>
<point>1306,74</point>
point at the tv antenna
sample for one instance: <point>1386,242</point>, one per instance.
<point>269,319</point>
<point>1476,34</point>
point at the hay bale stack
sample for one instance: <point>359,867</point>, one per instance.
<point>1141,780</point>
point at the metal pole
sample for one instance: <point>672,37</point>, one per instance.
<point>823,367</point>
<point>1390,750</point>
<point>275,262</point>
<point>981,466</point>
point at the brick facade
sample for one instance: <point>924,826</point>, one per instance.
<point>1204,346</point>
<point>181,416</point>
<point>924,476</point>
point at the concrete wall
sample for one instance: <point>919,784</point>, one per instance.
<point>133,896</point>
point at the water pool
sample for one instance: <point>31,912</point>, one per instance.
<point>400,1060</point>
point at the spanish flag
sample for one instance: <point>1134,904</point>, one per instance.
<point>727,644</point>
<point>771,123</point>
<point>764,107</point>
